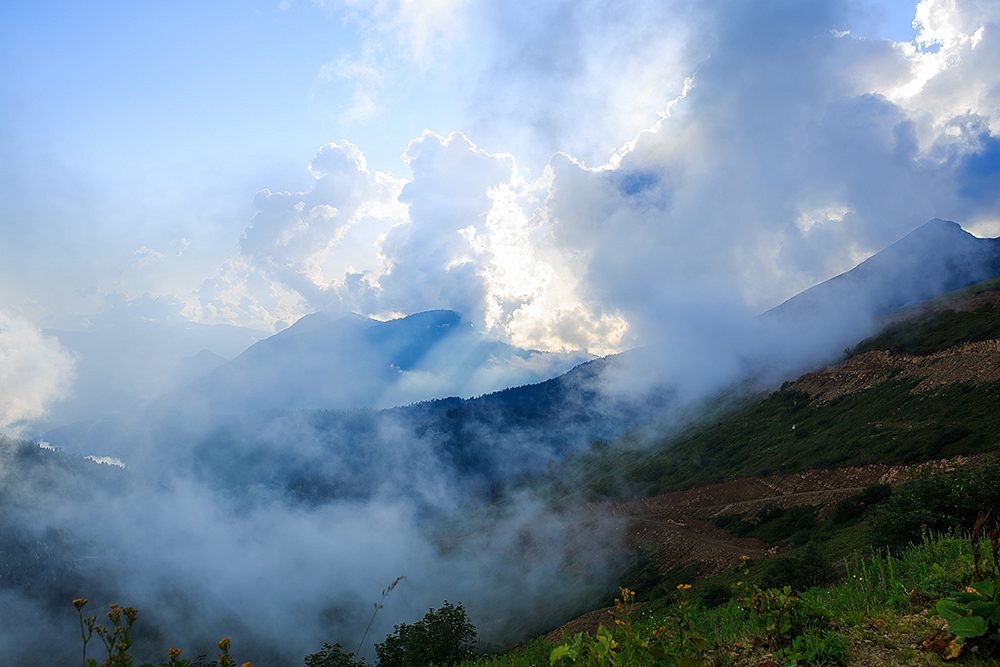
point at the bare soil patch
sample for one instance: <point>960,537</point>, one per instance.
<point>978,363</point>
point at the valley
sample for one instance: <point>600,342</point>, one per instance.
<point>561,488</point>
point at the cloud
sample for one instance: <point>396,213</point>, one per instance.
<point>466,233</point>
<point>367,77</point>
<point>423,29</point>
<point>780,146</point>
<point>147,256</point>
<point>180,245</point>
<point>582,77</point>
<point>316,245</point>
<point>711,159</point>
<point>35,371</point>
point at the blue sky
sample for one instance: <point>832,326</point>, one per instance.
<point>568,175</point>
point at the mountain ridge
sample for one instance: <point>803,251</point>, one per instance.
<point>936,258</point>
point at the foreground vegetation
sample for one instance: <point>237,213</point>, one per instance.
<point>878,614</point>
<point>940,592</point>
<point>913,570</point>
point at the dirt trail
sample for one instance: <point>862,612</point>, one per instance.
<point>972,362</point>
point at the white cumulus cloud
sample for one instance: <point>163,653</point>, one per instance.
<point>780,146</point>
<point>35,371</point>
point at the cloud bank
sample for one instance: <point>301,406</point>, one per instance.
<point>789,150</point>
<point>35,372</point>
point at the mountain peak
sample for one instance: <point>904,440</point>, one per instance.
<point>933,259</point>
<point>938,222</point>
<point>938,228</point>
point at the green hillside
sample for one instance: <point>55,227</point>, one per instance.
<point>786,431</point>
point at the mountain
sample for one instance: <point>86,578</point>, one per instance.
<point>321,455</point>
<point>933,259</point>
<point>827,418</point>
<point>277,411</point>
<point>355,362</point>
<point>317,382</point>
<point>924,388</point>
<point>298,410</point>
<point>135,360</point>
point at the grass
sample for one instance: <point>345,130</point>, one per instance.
<point>785,433</point>
<point>935,331</point>
<point>880,608</point>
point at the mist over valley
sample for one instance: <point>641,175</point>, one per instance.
<point>297,298</point>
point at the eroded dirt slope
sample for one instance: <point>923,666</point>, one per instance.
<point>972,362</point>
<point>664,528</point>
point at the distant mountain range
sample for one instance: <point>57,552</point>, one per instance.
<point>355,362</point>
<point>295,411</point>
<point>122,364</point>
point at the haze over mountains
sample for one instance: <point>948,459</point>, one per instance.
<point>242,456</point>
<point>354,362</point>
<point>248,411</point>
<point>122,363</point>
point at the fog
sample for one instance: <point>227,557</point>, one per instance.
<point>279,527</point>
<point>665,187</point>
<point>203,560</point>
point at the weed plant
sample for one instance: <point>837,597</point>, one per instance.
<point>676,641</point>
<point>116,639</point>
<point>974,611</point>
<point>816,626</point>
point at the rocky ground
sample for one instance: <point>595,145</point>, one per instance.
<point>972,362</point>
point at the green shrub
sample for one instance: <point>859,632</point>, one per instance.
<point>975,611</point>
<point>444,636</point>
<point>714,595</point>
<point>874,494</point>
<point>821,647</point>
<point>676,642</point>
<point>846,510</point>
<point>857,505</point>
<point>801,572</point>
<point>781,614</point>
<point>935,501</point>
<point>641,575</point>
<point>332,656</point>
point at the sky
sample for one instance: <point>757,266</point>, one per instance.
<point>567,175</point>
<point>579,177</point>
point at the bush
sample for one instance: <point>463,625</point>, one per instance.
<point>854,506</point>
<point>715,595</point>
<point>332,656</point>
<point>444,636</point>
<point>874,494</point>
<point>847,509</point>
<point>642,576</point>
<point>935,501</point>
<point>801,572</point>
